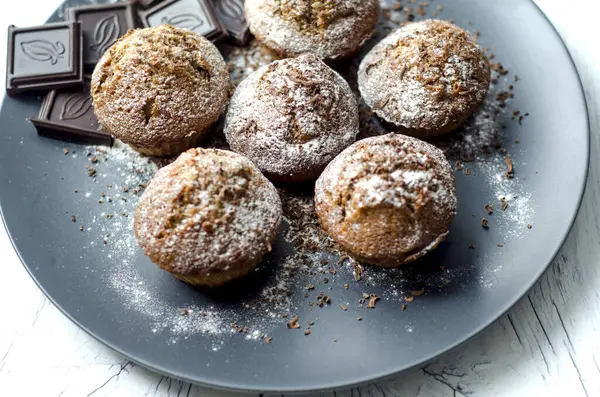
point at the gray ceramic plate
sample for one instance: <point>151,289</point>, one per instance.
<point>81,275</point>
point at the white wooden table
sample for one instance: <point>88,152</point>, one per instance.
<point>548,345</point>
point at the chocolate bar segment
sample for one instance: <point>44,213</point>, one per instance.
<point>102,26</point>
<point>196,15</point>
<point>68,115</point>
<point>231,15</point>
<point>44,57</point>
<point>146,3</point>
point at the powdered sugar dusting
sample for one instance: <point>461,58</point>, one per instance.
<point>292,117</point>
<point>285,281</point>
<point>328,28</point>
<point>135,97</point>
<point>425,76</point>
<point>357,189</point>
<point>202,210</point>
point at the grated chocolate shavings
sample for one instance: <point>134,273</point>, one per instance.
<point>293,323</point>
<point>372,300</point>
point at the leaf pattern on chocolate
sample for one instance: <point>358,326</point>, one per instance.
<point>233,9</point>
<point>185,21</point>
<point>43,51</point>
<point>105,34</point>
<point>75,106</point>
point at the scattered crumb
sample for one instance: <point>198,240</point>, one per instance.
<point>509,168</point>
<point>372,300</point>
<point>293,323</point>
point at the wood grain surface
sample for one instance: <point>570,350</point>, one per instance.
<point>547,345</point>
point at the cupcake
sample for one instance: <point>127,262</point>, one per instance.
<point>425,78</point>
<point>387,200</point>
<point>160,89</point>
<point>208,218</point>
<point>328,28</point>
<point>291,118</point>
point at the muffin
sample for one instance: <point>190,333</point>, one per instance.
<point>208,218</point>
<point>425,78</point>
<point>328,28</point>
<point>291,118</point>
<point>387,200</point>
<point>160,89</point>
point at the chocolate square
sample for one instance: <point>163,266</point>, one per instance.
<point>68,115</point>
<point>146,3</point>
<point>102,26</point>
<point>44,57</point>
<point>196,15</point>
<point>231,15</point>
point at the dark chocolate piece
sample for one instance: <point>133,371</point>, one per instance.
<point>146,3</point>
<point>196,15</point>
<point>68,115</point>
<point>231,15</point>
<point>102,26</point>
<point>44,57</point>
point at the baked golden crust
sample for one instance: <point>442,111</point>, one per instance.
<point>160,89</point>
<point>387,200</point>
<point>208,217</point>
<point>425,78</point>
<point>328,28</point>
